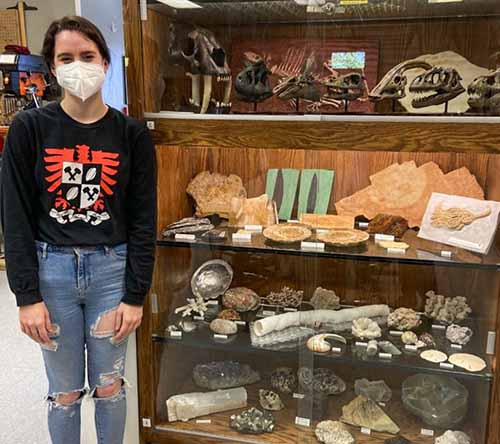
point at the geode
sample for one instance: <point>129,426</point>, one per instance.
<point>446,309</point>
<point>404,319</point>
<point>440,401</point>
<point>324,299</point>
<point>388,224</point>
<point>453,437</point>
<point>321,381</point>
<point>270,400</point>
<point>458,335</point>
<point>229,314</point>
<point>365,328</point>
<point>377,391</point>
<point>284,380</point>
<point>224,374</point>
<point>287,297</point>
<point>241,299</point>
<point>252,421</point>
<point>333,432</point>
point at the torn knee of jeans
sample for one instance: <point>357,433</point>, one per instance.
<point>52,345</point>
<point>108,380</point>
<point>104,326</point>
<point>55,399</point>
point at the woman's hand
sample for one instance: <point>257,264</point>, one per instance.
<point>128,318</point>
<point>35,322</point>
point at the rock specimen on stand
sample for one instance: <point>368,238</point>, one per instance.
<point>405,189</point>
<point>321,381</point>
<point>270,400</point>
<point>192,405</point>
<point>213,193</point>
<point>365,328</point>
<point>363,412</point>
<point>286,297</point>
<point>241,299</point>
<point>458,335</point>
<point>284,380</point>
<point>255,211</point>
<point>223,327</point>
<point>404,319</point>
<point>324,299</point>
<point>446,309</point>
<point>453,437</point>
<point>188,225</point>
<point>440,401</point>
<point>229,315</point>
<point>252,421</point>
<point>224,374</point>
<point>333,432</point>
<point>388,224</point>
<point>377,391</point>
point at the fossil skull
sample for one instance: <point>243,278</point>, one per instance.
<point>252,83</point>
<point>347,87</point>
<point>484,93</point>
<point>393,84</point>
<point>436,86</point>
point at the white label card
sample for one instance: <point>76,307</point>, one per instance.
<point>438,327</point>
<point>242,237</point>
<point>187,237</point>
<point>198,318</point>
<point>385,356</point>
<point>293,221</point>
<point>217,336</point>
<point>446,254</point>
<point>363,224</point>
<point>396,333</point>
<point>315,246</point>
<point>203,421</point>
<point>427,432</point>
<point>212,302</point>
<point>176,334</point>
<point>267,313</point>
<point>256,228</point>
<point>457,346</point>
<point>8,58</point>
<point>290,309</point>
<point>411,347</point>
<point>240,322</point>
<point>299,396</point>
<point>396,251</point>
<point>305,422</point>
<point>336,350</point>
<point>384,237</point>
<point>446,365</point>
<point>361,344</point>
<point>366,431</point>
<point>382,404</point>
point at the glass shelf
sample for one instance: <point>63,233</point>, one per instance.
<point>421,252</point>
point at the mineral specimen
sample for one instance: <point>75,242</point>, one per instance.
<point>252,421</point>
<point>188,225</point>
<point>229,314</point>
<point>388,224</point>
<point>211,279</point>
<point>319,344</point>
<point>192,405</point>
<point>223,327</point>
<point>440,401</point>
<point>408,337</point>
<point>458,335</point>
<point>372,348</point>
<point>471,363</point>
<point>241,299</point>
<point>364,412</point>
<point>446,309</point>
<point>365,328</point>
<point>435,356</point>
<point>453,437</point>
<point>427,339</point>
<point>404,319</point>
<point>389,347</point>
<point>255,211</point>
<point>284,380</point>
<point>187,326</point>
<point>287,297</point>
<point>270,400</point>
<point>333,432</point>
<point>377,391</point>
<point>325,299</point>
<point>321,380</point>
<point>224,374</point>
<point>213,192</point>
<point>289,337</point>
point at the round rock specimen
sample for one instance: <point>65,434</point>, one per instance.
<point>287,233</point>
<point>333,432</point>
<point>212,279</point>
<point>458,335</point>
<point>270,400</point>
<point>435,356</point>
<point>365,328</point>
<point>409,337</point>
<point>453,437</point>
<point>471,363</point>
<point>224,374</point>
<point>241,299</point>
<point>229,314</point>
<point>440,401</point>
<point>284,380</point>
<point>322,381</point>
<point>252,421</point>
<point>404,319</point>
<point>223,327</point>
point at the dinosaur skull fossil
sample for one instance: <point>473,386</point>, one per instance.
<point>436,86</point>
<point>252,84</point>
<point>207,60</point>
<point>393,84</point>
<point>347,87</point>
<point>484,93</point>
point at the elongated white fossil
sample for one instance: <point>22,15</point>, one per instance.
<point>315,317</point>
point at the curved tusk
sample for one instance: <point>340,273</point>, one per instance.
<point>207,93</point>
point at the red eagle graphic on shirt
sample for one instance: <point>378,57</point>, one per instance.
<point>80,178</point>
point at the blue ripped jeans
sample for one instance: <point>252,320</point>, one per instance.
<point>82,287</point>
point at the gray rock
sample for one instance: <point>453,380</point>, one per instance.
<point>284,380</point>
<point>389,347</point>
<point>321,380</point>
<point>377,391</point>
<point>440,401</point>
<point>224,374</point>
<point>458,335</point>
<point>270,400</point>
<point>252,421</point>
<point>453,437</point>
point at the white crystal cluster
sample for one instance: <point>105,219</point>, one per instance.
<point>446,309</point>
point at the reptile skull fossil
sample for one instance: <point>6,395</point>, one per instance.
<point>436,86</point>
<point>484,93</point>
<point>252,83</point>
<point>347,87</point>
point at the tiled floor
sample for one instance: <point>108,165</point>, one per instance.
<point>23,385</point>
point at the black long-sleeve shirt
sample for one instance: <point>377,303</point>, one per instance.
<point>73,184</point>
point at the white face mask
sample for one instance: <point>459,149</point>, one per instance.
<point>81,79</point>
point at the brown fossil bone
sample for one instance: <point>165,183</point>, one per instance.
<point>436,86</point>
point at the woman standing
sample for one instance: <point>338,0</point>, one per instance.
<point>79,216</point>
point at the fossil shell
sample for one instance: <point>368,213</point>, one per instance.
<point>365,328</point>
<point>409,337</point>
<point>471,363</point>
<point>343,238</point>
<point>223,327</point>
<point>319,344</point>
<point>91,174</point>
<point>229,314</point>
<point>270,400</point>
<point>72,193</point>
<point>241,299</point>
<point>287,233</point>
<point>212,279</point>
<point>434,356</point>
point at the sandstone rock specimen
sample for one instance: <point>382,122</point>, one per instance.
<point>213,193</point>
<point>270,400</point>
<point>405,189</point>
<point>333,432</point>
<point>377,391</point>
<point>224,374</point>
<point>255,211</point>
<point>241,299</point>
<point>388,224</point>
<point>324,299</point>
<point>364,412</point>
<point>252,421</point>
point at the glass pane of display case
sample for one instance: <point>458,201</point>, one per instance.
<point>322,57</point>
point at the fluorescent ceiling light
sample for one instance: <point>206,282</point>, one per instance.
<point>180,4</point>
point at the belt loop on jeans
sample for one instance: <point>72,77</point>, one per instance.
<point>45,246</point>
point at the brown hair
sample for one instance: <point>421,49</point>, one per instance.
<point>73,23</point>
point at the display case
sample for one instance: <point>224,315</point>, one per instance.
<point>291,299</point>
